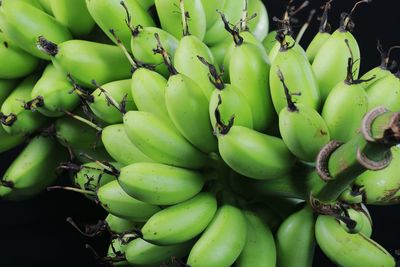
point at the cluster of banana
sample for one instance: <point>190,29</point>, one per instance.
<point>209,140</point>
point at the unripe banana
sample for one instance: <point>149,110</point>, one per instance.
<point>86,61</point>
<point>110,99</point>
<point>175,224</point>
<point>110,14</point>
<point>120,148</point>
<point>159,141</point>
<point>117,248</point>
<point>22,23</point>
<point>385,92</point>
<point>222,241</point>
<point>317,42</point>
<point>16,119</point>
<point>9,141</point>
<point>171,18</point>
<point>346,249</point>
<point>302,129</point>
<point>142,253</point>
<point>269,42</point>
<point>381,187</point>
<point>210,10</point>
<point>289,42</point>
<point>54,93</point>
<point>33,170</point>
<point>363,223</point>
<point>295,239</point>
<point>259,249</point>
<point>160,184</point>
<point>73,14</point>
<point>119,225</point>
<point>6,87</point>
<point>115,201</point>
<point>299,78</point>
<point>16,62</point>
<point>254,154</point>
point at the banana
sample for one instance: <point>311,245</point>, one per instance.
<point>159,141</point>
<point>346,249</point>
<point>329,64</point>
<point>288,41</point>
<point>86,61</point>
<point>16,63</point>
<point>170,17</point>
<point>74,14</point>
<point>302,129</point>
<point>269,42</point>
<point>9,141</point>
<point>141,253</point>
<point>115,250</point>
<point>381,187</point>
<point>346,96</point>
<point>115,201</point>
<point>295,239</point>
<point>6,87</point>
<point>259,249</point>
<point>254,154</point>
<point>53,93</point>
<point>210,10</point>
<point>322,36</point>
<point>175,225</point>
<point>385,92</point>
<point>119,225</point>
<point>110,99</point>
<point>110,14</point>
<point>299,78</point>
<point>362,219</point>
<point>120,148</point>
<point>16,119</point>
<point>160,184</point>
<point>22,24</point>
<point>33,170</point>
<point>217,246</point>
<point>259,26</point>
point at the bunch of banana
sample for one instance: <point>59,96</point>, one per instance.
<point>210,140</point>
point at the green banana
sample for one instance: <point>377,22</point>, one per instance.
<point>9,141</point>
<point>120,148</point>
<point>16,63</point>
<point>322,36</point>
<point>219,51</point>
<point>160,184</point>
<point>86,61</point>
<point>110,14</point>
<point>74,14</point>
<point>33,170</point>
<point>159,141</point>
<point>299,78</point>
<point>53,94</point>
<point>381,187</point>
<point>115,201</point>
<point>362,219</point>
<point>6,87</point>
<point>253,154</point>
<point>16,119</point>
<point>329,64</point>
<point>110,99</point>
<point>141,253</point>
<point>115,250</point>
<point>385,92</point>
<point>222,241</point>
<point>170,17</point>
<point>295,239</point>
<point>259,249</point>
<point>302,129</point>
<point>287,41</point>
<point>346,249</point>
<point>346,96</point>
<point>269,41</point>
<point>22,24</point>
<point>210,10</point>
<point>259,26</point>
<point>175,225</point>
<point>119,225</point>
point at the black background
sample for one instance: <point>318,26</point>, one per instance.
<point>35,233</point>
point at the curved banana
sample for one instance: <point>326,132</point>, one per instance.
<point>23,23</point>
<point>53,93</point>
<point>259,249</point>
<point>385,92</point>
<point>86,61</point>
<point>16,120</point>
<point>115,201</point>
<point>295,239</point>
<point>346,249</point>
<point>110,14</point>
<point>175,224</point>
<point>120,148</point>
<point>171,17</point>
<point>159,141</point>
<point>110,99</point>
<point>160,184</point>
<point>222,241</point>
<point>16,63</point>
<point>33,170</point>
<point>119,225</point>
<point>74,14</point>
